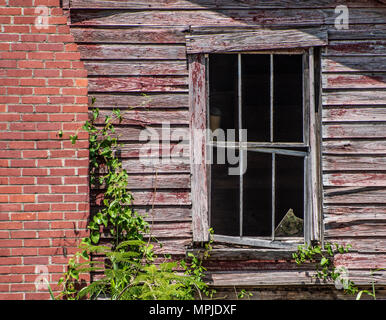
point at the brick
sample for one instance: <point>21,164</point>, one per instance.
<point>23,163</point>
<point>10,189</point>
<point>51,47</point>
<point>33,82</point>
<point>34,172</point>
<point>22,197</point>
<point>36,189</point>
<point>36,207</point>
<point>47,91</point>
<point>31,64</point>
<point>23,235</point>
<point>24,46</point>
<point>47,73</point>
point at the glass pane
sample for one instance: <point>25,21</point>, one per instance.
<point>223,108</point>
<point>256,96</point>
<point>257,195</point>
<point>288,98</point>
<point>224,198</point>
<point>289,200</point>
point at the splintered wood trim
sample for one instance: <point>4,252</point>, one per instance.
<point>258,242</point>
<point>199,183</point>
<point>256,40</point>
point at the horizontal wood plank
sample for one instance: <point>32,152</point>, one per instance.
<point>354,81</point>
<point>155,165</point>
<point>375,130</point>
<point>344,163</point>
<point>136,68</point>
<point>354,179</point>
<point>141,101</point>
<point>354,64</point>
<point>257,40</point>
<point>147,117</point>
<point>351,97</point>
<point>357,195</point>
<point>353,114</point>
<point>356,48</point>
<point>140,35</point>
<point>354,147</point>
<point>149,198</point>
<point>138,84</point>
<point>290,17</point>
<point>129,51</point>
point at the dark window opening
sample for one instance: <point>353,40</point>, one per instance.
<point>266,91</point>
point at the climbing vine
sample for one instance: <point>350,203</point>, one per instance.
<point>128,269</point>
<point>325,268</point>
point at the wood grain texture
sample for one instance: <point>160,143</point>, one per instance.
<point>354,179</point>
<point>130,51</point>
<point>354,64</point>
<point>354,147</point>
<point>141,101</point>
<point>352,97</point>
<point>137,35</point>
<point>375,130</point>
<point>357,195</point>
<point>354,81</point>
<point>290,17</point>
<point>349,114</point>
<point>136,68</point>
<point>197,108</point>
<point>256,40</point>
<point>138,84</point>
<point>354,163</point>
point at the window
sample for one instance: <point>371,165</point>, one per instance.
<point>270,99</point>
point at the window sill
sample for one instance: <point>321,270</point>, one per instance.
<point>245,254</point>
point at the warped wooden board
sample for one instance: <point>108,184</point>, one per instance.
<point>155,165</point>
<point>144,35</point>
<point>144,133</point>
<point>354,81</point>
<point>147,117</point>
<point>197,17</point>
<point>172,246</point>
<point>356,48</point>
<point>362,244</point>
<point>352,97</point>
<point>346,162</point>
<point>364,33</point>
<point>375,130</point>
<point>161,181</point>
<point>354,64</point>
<point>288,17</point>
<point>354,210</point>
<point>175,230</point>
<point>255,40</point>
<point>354,147</point>
<point>134,150</point>
<point>141,101</point>
<point>354,179</point>
<point>136,68</point>
<point>131,51</point>
<point>274,277</point>
<point>357,195</point>
<point>148,198</point>
<point>363,261</point>
<point>160,214</point>
<point>197,4</point>
<point>354,218</point>
<point>138,84</point>
<point>353,114</point>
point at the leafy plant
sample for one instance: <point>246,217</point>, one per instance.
<point>325,268</point>
<point>127,270</point>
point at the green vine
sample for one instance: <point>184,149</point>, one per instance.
<point>127,270</point>
<point>325,268</point>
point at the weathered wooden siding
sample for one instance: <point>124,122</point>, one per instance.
<point>131,48</point>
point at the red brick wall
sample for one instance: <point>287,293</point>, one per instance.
<point>43,178</point>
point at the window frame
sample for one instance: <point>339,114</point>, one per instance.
<point>200,170</point>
